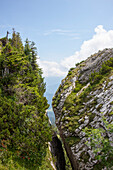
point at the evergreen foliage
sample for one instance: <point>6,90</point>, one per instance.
<point>25,130</point>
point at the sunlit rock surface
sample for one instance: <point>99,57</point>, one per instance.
<point>78,104</point>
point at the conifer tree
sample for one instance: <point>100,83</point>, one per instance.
<point>34,54</point>
<point>27,49</point>
<point>14,43</point>
<point>23,123</point>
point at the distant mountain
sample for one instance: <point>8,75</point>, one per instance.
<point>51,116</point>
<point>49,97</point>
<point>52,84</point>
<point>50,112</point>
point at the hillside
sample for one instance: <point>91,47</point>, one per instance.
<point>84,101</point>
<point>25,130</point>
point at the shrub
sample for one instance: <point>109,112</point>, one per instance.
<point>101,146</point>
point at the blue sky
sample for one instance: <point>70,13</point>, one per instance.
<point>61,29</point>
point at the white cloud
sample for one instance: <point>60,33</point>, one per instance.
<point>100,40</point>
<point>51,68</point>
<point>61,32</point>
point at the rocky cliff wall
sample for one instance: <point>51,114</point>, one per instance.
<point>80,101</point>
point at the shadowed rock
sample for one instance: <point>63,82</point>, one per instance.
<point>57,152</point>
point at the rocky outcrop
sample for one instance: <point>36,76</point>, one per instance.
<point>80,101</point>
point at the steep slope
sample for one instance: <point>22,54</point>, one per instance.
<point>24,126</point>
<point>80,101</point>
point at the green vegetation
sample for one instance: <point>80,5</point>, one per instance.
<point>72,140</point>
<point>101,146</point>
<point>25,130</point>
<point>66,84</point>
<point>107,66</point>
<point>79,64</point>
<point>13,163</point>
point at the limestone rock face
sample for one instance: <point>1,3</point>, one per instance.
<point>80,101</point>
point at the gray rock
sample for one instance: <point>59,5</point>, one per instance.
<point>103,106</point>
